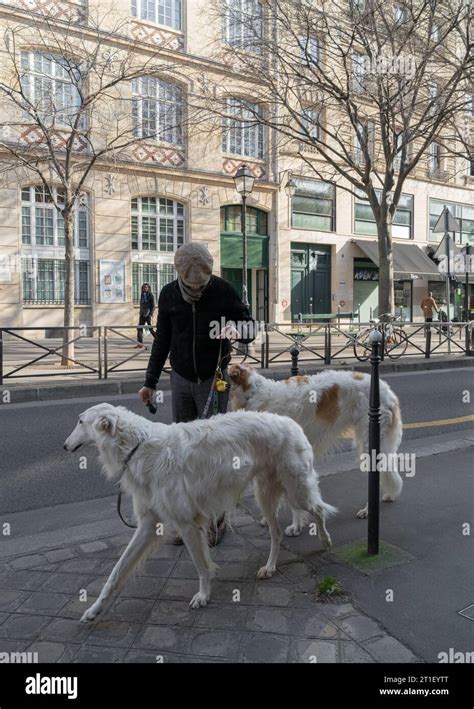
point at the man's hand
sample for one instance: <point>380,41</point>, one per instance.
<point>146,395</point>
<point>230,333</point>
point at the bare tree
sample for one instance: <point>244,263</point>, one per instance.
<point>66,109</point>
<point>365,92</point>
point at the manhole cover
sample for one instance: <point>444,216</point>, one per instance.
<point>468,612</point>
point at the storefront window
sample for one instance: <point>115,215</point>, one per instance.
<point>403,299</point>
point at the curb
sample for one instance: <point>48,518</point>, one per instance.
<point>19,393</point>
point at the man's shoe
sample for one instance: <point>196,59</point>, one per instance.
<point>216,531</point>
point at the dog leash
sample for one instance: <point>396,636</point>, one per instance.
<point>214,391</point>
<point>216,386</point>
<point>119,495</point>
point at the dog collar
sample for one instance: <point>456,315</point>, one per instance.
<point>129,456</point>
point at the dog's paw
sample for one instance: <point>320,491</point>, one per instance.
<point>293,530</point>
<point>263,522</point>
<point>266,572</point>
<point>363,514</point>
<point>388,498</point>
<point>199,600</point>
<point>326,542</point>
<point>90,614</point>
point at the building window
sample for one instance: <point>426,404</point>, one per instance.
<point>364,142</point>
<point>242,131</point>
<point>157,275</point>
<point>51,84</point>
<point>311,121</point>
<point>314,205</point>
<point>464,215</point>
<point>358,72</point>
<point>400,14</point>
<point>44,280</point>
<point>43,225</point>
<point>402,225</point>
<point>157,110</point>
<point>163,12</point>
<point>435,34</point>
<point>434,160</point>
<point>157,224</point>
<point>243,24</point>
<point>256,220</point>
<point>309,50</point>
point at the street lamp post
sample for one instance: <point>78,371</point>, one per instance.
<point>244,182</point>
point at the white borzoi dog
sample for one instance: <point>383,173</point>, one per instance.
<point>326,405</point>
<point>187,474</point>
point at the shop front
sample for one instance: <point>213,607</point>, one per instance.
<point>257,255</point>
<point>412,270</point>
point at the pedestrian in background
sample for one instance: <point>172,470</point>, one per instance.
<point>147,307</point>
<point>427,305</point>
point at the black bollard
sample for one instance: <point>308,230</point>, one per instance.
<point>374,445</point>
<point>428,340</point>
<point>295,352</point>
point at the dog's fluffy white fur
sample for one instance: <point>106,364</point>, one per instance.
<point>326,405</point>
<point>187,474</point>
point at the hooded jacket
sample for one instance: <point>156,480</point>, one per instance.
<point>184,331</point>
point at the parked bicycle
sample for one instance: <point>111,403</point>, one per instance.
<point>395,340</point>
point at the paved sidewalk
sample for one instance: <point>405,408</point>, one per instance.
<point>55,553</point>
<point>276,620</point>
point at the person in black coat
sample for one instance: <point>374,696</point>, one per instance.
<point>198,315</point>
<point>147,307</point>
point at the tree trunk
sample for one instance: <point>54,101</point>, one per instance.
<point>386,294</point>
<point>69,289</point>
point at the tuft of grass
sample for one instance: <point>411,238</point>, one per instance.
<point>329,586</point>
<point>356,555</point>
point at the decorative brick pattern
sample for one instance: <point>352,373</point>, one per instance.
<point>168,157</point>
<point>57,9</point>
<point>158,36</point>
<point>231,165</point>
<point>34,136</point>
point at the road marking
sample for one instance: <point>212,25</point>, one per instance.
<point>426,424</point>
<point>439,422</point>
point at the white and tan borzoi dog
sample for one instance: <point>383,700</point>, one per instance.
<point>187,474</point>
<point>326,405</point>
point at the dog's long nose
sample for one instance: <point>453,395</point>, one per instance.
<point>65,447</point>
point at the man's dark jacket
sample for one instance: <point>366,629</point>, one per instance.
<point>147,304</point>
<point>183,331</point>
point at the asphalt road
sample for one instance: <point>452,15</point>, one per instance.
<point>36,472</point>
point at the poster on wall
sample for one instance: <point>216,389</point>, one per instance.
<point>112,281</point>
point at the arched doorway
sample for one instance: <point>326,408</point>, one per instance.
<point>257,255</point>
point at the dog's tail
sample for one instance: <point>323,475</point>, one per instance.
<point>395,428</point>
<point>392,483</point>
<point>318,504</point>
<point>328,510</point>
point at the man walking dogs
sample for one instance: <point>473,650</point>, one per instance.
<point>188,310</point>
<point>147,306</point>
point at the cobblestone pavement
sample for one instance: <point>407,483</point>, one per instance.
<point>276,620</point>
